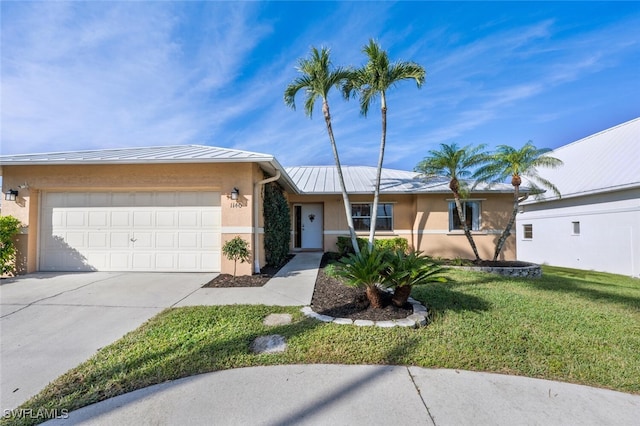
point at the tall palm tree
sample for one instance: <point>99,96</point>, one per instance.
<point>455,163</point>
<point>370,82</point>
<point>317,79</point>
<point>508,162</point>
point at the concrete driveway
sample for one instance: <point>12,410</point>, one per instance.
<point>51,322</point>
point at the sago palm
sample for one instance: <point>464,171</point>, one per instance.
<point>317,78</point>
<point>365,269</point>
<point>456,164</point>
<point>370,82</point>
<point>514,164</point>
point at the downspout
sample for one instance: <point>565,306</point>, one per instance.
<point>256,211</point>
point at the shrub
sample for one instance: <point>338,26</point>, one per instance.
<point>397,243</point>
<point>9,228</point>
<point>277,225</point>
<point>393,244</point>
<point>405,270</point>
<point>365,269</point>
<point>236,249</point>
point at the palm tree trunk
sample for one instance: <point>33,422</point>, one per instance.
<point>345,196</point>
<point>507,230</point>
<point>376,191</point>
<point>463,218</point>
<point>374,296</point>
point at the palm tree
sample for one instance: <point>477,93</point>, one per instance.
<point>317,79</point>
<point>455,164</point>
<point>371,81</point>
<point>508,162</point>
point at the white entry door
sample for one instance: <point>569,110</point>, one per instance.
<point>311,226</point>
<point>130,231</point>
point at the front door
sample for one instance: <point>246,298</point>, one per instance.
<point>309,226</point>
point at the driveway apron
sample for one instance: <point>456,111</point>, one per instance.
<point>51,322</point>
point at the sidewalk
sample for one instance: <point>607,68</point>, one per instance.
<point>359,395</point>
<point>280,290</point>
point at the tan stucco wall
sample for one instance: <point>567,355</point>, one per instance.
<point>424,221</point>
<point>237,217</point>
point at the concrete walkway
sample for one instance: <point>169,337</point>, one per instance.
<point>291,286</point>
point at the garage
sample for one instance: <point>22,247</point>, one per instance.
<point>130,231</point>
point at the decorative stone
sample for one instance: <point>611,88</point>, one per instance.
<point>364,323</point>
<point>307,310</point>
<point>343,321</point>
<point>269,344</point>
<point>419,319</point>
<point>417,307</point>
<point>320,317</point>
<point>385,324</point>
<point>405,322</point>
<point>277,319</point>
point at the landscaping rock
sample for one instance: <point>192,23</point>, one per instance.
<point>385,324</point>
<point>364,323</point>
<point>419,319</point>
<point>405,322</point>
<point>343,321</point>
<point>273,343</point>
<point>277,319</point>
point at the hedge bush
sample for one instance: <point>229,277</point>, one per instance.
<point>397,243</point>
<point>9,228</point>
<point>277,225</point>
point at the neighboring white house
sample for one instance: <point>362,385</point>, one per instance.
<point>596,223</point>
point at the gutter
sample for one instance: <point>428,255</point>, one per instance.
<point>256,211</point>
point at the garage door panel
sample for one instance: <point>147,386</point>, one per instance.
<point>119,240</point>
<point>120,219</point>
<point>143,219</point>
<point>143,231</point>
<point>166,240</point>
<point>166,219</point>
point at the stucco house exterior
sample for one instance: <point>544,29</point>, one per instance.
<point>172,208</point>
<point>596,223</point>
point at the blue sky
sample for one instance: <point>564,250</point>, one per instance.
<point>92,75</point>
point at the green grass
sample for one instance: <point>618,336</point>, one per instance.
<point>574,326</point>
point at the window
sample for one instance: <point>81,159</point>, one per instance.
<point>471,212</point>
<point>362,217</point>
<point>527,231</point>
<point>576,228</point>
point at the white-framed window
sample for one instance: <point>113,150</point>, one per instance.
<point>361,213</point>
<point>472,215</point>
<point>527,231</point>
<point>575,228</point>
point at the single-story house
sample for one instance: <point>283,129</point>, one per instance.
<point>172,208</point>
<point>596,223</point>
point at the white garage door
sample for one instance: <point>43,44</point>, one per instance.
<point>130,231</point>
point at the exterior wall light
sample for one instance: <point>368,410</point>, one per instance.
<point>11,195</point>
<point>235,194</point>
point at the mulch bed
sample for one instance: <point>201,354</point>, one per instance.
<point>255,280</point>
<point>330,296</point>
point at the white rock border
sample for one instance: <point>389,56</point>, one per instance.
<point>415,320</point>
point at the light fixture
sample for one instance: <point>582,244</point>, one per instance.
<point>11,195</point>
<point>235,194</point>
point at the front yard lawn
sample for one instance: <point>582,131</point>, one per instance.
<point>570,325</point>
